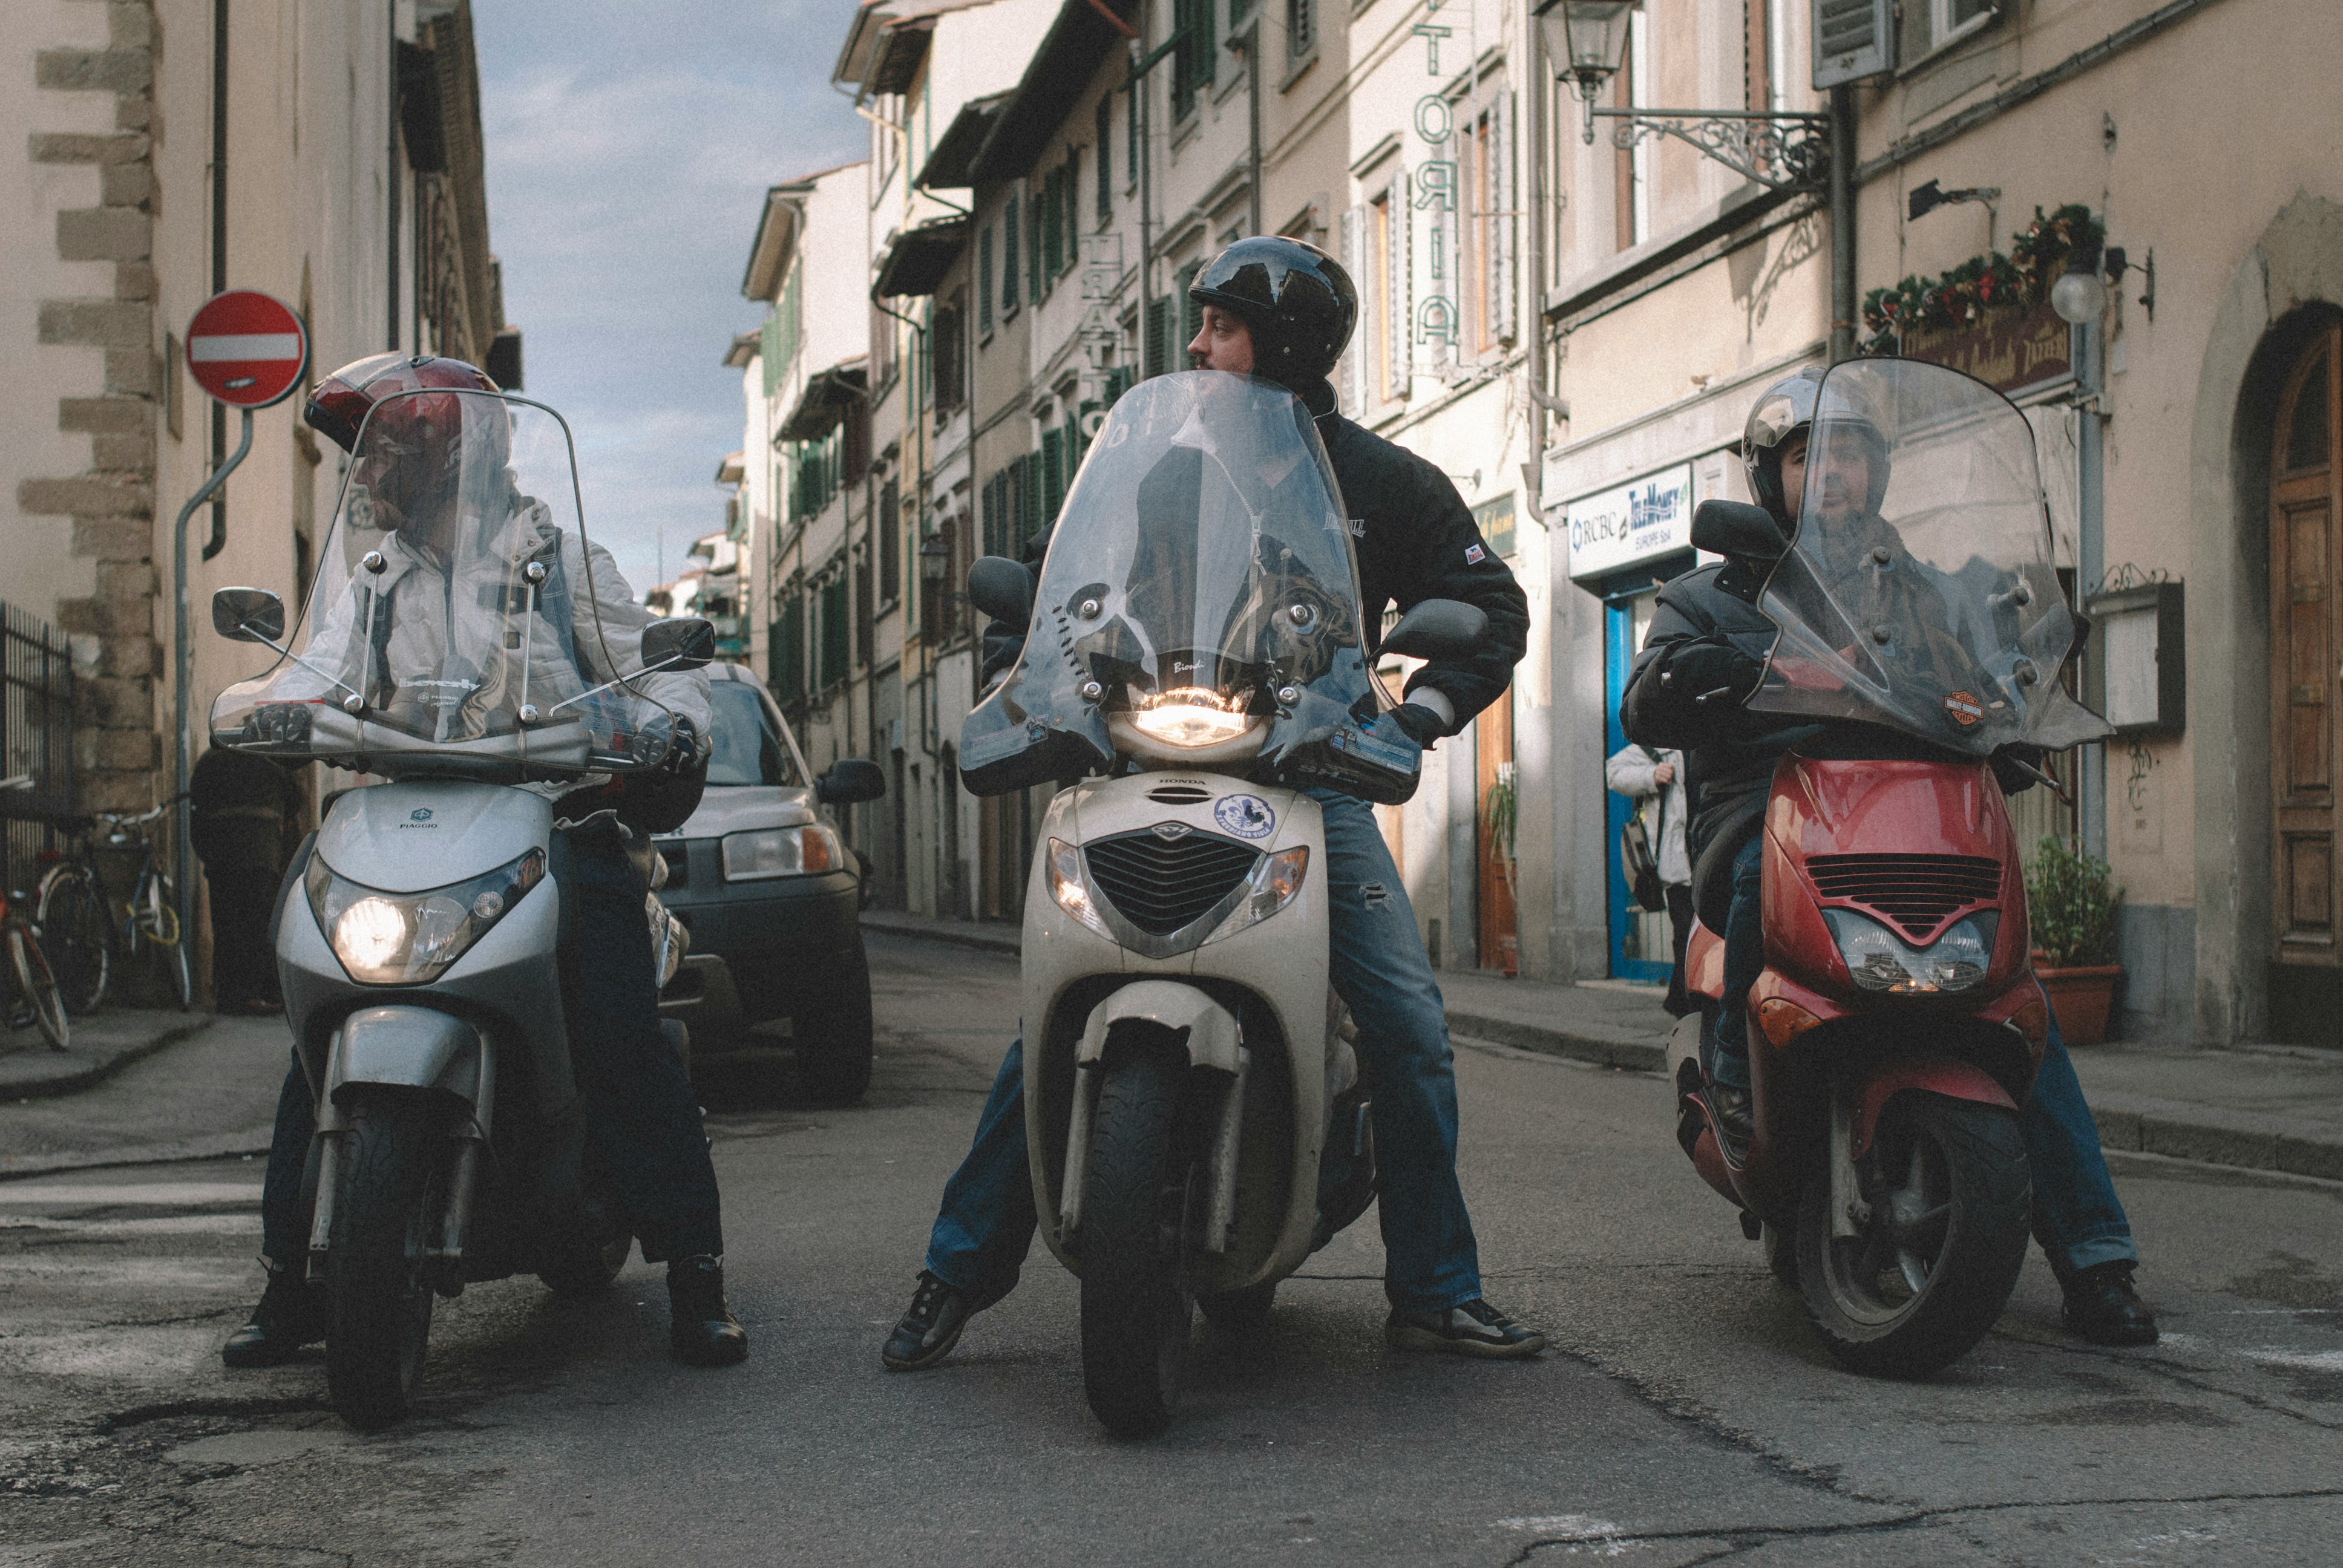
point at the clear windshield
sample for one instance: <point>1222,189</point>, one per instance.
<point>1200,586</point>
<point>1920,591</point>
<point>454,624</point>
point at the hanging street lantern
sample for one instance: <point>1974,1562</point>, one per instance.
<point>1586,40</point>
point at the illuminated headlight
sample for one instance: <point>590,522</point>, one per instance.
<point>782,853</point>
<point>1275,882</point>
<point>1070,885</point>
<point>1881,961</point>
<point>1189,715</point>
<point>411,938</point>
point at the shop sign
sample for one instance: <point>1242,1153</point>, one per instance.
<point>2004,351</point>
<point>1631,523</point>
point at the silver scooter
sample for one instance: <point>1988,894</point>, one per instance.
<point>417,936</point>
<point>1195,1115</point>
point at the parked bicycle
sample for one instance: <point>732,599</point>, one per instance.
<point>78,917</point>
<point>34,998</point>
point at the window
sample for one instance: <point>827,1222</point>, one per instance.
<point>1054,226</point>
<point>1104,173</point>
<point>785,647</point>
<point>1300,30</point>
<point>1933,24</point>
<point>856,457</point>
<point>891,544</point>
<point>984,281</point>
<point>1193,61</point>
<point>1486,264</point>
<point>865,634</point>
<point>949,355</point>
<point>1072,186</point>
<point>829,669</point>
<point>783,326</point>
<point>1009,257</point>
<point>1053,472</point>
<point>1130,131</point>
<point>1034,273</point>
<point>817,474</point>
<point>885,352</point>
<point>1157,349</point>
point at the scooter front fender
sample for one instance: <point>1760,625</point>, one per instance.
<point>409,1048</point>
<point>1948,1076</point>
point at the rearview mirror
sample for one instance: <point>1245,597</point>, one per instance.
<point>1002,588</point>
<point>1738,529</point>
<point>851,780</point>
<point>683,643</point>
<point>248,615</point>
<point>1438,629</point>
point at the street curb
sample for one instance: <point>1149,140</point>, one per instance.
<point>959,933</point>
<point>1629,1053</point>
<point>225,1146</point>
<point>98,1073</point>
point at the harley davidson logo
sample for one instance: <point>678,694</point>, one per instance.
<point>1965,709</point>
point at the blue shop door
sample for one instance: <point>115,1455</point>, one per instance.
<point>1642,947</point>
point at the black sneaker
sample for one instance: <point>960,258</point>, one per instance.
<point>1472,1328</point>
<point>291,1313</point>
<point>2103,1308</point>
<point>931,1327</point>
<point>700,1324</point>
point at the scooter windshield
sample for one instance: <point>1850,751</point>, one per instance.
<point>1199,596</point>
<point>454,625</point>
<point>1919,591</point>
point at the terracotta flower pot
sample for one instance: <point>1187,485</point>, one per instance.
<point>2082,997</point>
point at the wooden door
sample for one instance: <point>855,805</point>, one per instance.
<point>2306,683</point>
<point>1493,837</point>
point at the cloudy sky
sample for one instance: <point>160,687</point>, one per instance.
<point>628,149</point>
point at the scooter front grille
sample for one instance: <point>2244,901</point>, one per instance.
<point>1915,891</point>
<point>1160,884</point>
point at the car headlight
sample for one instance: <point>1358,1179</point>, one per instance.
<point>411,938</point>
<point>782,852</point>
<point>1880,960</point>
<point>1189,715</point>
<point>1070,886</point>
<point>1275,882</point>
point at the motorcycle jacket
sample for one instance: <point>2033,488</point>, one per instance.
<point>1414,539</point>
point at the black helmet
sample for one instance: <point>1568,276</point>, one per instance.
<point>1297,300</point>
<point>1789,407</point>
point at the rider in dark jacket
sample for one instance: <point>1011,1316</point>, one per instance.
<point>1283,310</point>
<point>1700,662</point>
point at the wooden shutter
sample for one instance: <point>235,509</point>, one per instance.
<point>2306,648</point>
<point>1352,375</point>
<point>1853,39</point>
<point>1504,284</point>
<point>1399,305</point>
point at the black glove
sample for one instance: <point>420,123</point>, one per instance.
<point>683,746</point>
<point>1422,726</point>
<point>1710,671</point>
<point>278,723</point>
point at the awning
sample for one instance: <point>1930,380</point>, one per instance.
<point>828,396</point>
<point>947,168</point>
<point>896,60</point>
<point>915,262</point>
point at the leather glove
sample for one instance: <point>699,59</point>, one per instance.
<point>1422,726</point>
<point>683,747</point>
<point>1711,671</point>
<point>278,723</point>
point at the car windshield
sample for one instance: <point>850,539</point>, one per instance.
<point>745,748</point>
<point>455,624</point>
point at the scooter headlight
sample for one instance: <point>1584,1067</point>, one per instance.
<point>1070,886</point>
<point>1880,960</point>
<point>1276,882</point>
<point>412,938</point>
<point>1189,715</point>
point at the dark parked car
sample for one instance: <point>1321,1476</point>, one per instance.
<point>763,881</point>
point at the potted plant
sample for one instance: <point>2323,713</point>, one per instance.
<point>2072,900</point>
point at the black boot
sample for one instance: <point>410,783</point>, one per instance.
<point>700,1324</point>
<point>930,1328</point>
<point>292,1313</point>
<point>2103,1308</point>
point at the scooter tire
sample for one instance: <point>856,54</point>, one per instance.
<point>834,1036</point>
<point>1241,1315</point>
<point>386,1209</point>
<point>1964,1159</point>
<point>1136,1316</point>
<point>588,1272</point>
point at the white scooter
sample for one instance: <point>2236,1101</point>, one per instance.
<point>418,934</point>
<point>1196,1118</point>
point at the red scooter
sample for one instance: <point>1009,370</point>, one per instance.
<point>1896,1027</point>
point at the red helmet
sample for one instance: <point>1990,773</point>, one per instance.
<point>341,401</point>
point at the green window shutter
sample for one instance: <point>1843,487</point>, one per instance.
<point>1159,328</point>
<point>1054,473</point>
<point>1029,497</point>
<point>1033,250</point>
<point>984,281</point>
<point>1192,315</point>
<point>770,350</point>
<point>1008,256</point>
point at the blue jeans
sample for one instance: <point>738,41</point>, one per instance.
<point>986,1223</point>
<point>642,1118</point>
<point>2077,1217</point>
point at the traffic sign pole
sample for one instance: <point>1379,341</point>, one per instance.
<point>248,350</point>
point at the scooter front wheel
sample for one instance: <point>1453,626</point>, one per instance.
<point>1136,1313</point>
<point>1938,1245</point>
<point>386,1207</point>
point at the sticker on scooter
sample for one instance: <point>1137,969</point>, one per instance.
<point>1246,816</point>
<point>1965,709</point>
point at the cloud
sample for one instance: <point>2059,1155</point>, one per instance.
<point>628,148</point>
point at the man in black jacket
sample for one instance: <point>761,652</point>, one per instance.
<point>1283,310</point>
<point>1701,660</point>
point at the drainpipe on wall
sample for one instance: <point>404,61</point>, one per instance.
<point>1841,214</point>
<point>2084,343</point>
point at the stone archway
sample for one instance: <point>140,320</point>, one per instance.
<point>2280,292</point>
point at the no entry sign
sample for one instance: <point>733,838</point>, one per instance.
<point>247,349</point>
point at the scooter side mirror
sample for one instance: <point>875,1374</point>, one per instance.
<point>851,780</point>
<point>1438,629</point>
<point>684,643</point>
<point>1002,588</point>
<point>1738,529</point>
<point>248,615</point>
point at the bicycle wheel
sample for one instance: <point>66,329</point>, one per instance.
<point>39,987</point>
<point>73,933</point>
<point>161,917</point>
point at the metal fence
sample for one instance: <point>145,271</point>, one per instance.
<point>37,704</point>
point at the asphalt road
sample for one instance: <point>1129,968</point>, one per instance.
<point>1685,1416</point>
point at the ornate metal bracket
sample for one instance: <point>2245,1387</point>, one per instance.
<point>1786,152</point>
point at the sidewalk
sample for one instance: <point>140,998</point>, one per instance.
<point>103,1045</point>
<point>2267,1108</point>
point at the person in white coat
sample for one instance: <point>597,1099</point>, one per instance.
<point>1641,775</point>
